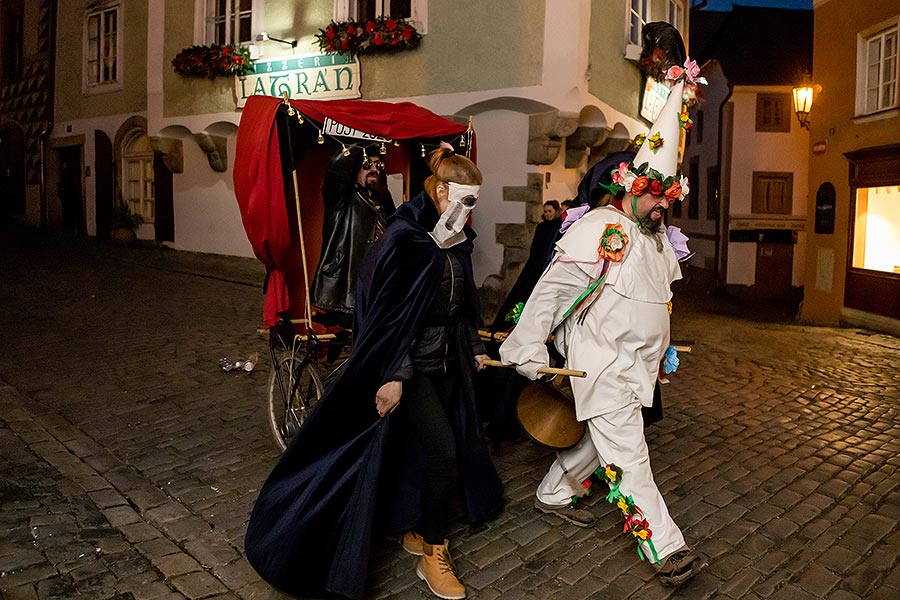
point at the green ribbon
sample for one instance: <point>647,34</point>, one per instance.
<point>652,549</point>
<point>614,493</point>
<point>583,295</point>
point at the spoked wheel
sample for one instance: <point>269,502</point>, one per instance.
<point>294,388</point>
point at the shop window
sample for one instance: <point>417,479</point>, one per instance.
<point>772,193</point>
<point>876,232</point>
<point>773,113</point>
<point>102,47</point>
<point>367,10</point>
<point>137,177</point>
<point>877,68</point>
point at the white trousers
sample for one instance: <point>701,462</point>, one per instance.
<point>615,438</point>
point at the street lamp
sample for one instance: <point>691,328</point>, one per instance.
<point>803,100</point>
<point>264,37</point>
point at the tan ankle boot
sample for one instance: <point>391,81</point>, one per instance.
<point>412,543</point>
<point>436,569</point>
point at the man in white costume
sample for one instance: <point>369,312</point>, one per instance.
<point>606,298</point>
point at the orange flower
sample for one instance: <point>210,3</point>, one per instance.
<point>612,243</point>
<point>639,185</point>
<point>674,191</point>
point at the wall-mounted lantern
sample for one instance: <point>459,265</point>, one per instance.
<point>803,100</point>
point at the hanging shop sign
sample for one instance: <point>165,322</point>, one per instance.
<point>306,77</point>
<point>653,99</point>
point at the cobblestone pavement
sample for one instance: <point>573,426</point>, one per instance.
<point>130,461</point>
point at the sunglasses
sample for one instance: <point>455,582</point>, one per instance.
<point>369,163</point>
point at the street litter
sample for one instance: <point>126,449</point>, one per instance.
<point>240,364</point>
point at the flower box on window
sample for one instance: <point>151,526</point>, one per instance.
<point>383,34</point>
<point>213,61</point>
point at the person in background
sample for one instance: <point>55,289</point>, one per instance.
<point>357,206</point>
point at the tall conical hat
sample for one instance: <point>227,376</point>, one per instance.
<point>660,148</point>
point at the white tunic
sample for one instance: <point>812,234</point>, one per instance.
<point>623,336</point>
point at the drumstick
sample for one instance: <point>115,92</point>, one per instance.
<point>546,370</point>
<point>500,336</point>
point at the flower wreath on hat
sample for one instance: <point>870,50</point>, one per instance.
<point>644,178</point>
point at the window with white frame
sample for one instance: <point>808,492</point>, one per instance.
<point>369,10</point>
<point>137,177</point>
<point>675,14</point>
<point>103,45</point>
<point>878,68</point>
<point>229,22</point>
<point>638,15</point>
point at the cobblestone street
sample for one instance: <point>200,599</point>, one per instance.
<point>130,461</point>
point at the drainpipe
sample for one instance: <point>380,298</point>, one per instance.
<point>48,124</point>
<point>42,168</point>
<point>722,215</point>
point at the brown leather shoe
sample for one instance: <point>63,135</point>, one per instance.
<point>575,516</point>
<point>679,567</point>
<point>436,569</point>
<point>412,542</point>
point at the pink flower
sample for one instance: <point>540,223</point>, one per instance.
<point>674,73</point>
<point>691,69</point>
<point>618,176</point>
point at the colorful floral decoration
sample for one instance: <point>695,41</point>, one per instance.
<point>515,313</point>
<point>684,119</point>
<point>656,142</point>
<point>612,243</point>
<point>635,522</point>
<point>213,61</point>
<point>689,73</point>
<point>643,178</point>
<point>384,34</point>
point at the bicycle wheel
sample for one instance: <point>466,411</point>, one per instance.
<point>294,388</point>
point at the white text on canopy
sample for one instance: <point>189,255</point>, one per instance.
<point>307,77</point>
<point>333,128</point>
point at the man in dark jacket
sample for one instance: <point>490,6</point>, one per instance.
<point>357,205</point>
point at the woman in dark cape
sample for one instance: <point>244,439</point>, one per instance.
<point>349,468</point>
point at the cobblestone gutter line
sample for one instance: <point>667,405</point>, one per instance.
<point>98,529</point>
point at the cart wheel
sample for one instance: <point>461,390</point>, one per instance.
<point>294,388</point>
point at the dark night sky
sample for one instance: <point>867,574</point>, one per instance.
<point>723,5</point>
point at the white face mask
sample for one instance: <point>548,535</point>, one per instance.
<point>449,229</point>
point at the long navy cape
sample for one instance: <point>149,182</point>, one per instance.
<point>311,527</point>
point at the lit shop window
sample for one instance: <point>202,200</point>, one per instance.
<point>876,231</point>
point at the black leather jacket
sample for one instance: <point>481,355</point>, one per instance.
<point>353,221</point>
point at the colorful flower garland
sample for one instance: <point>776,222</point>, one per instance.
<point>644,178</point>
<point>635,522</point>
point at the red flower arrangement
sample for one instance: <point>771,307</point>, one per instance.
<point>213,61</point>
<point>384,34</point>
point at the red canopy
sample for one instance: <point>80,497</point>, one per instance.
<point>260,190</point>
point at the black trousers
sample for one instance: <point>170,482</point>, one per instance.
<point>424,411</point>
